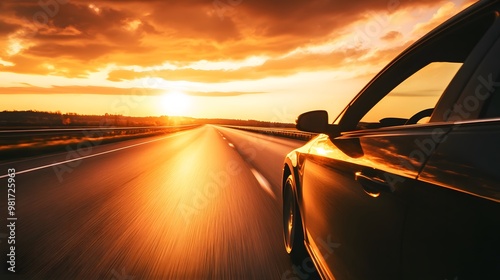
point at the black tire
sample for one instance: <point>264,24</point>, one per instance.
<point>293,233</point>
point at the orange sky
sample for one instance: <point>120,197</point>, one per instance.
<point>246,59</point>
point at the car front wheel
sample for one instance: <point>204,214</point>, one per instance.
<point>292,223</point>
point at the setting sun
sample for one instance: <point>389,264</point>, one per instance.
<point>175,103</point>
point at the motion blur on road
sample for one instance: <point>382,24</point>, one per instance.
<point>197,204</point>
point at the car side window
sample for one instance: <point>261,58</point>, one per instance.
<point>418,93</point>
<point>423,81</point>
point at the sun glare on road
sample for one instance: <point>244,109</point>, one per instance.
<point>176,103</point>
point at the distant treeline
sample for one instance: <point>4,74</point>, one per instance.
<point>244,123</point>
<point>58,119</point>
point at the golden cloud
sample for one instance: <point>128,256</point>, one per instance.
<point>148,33</point>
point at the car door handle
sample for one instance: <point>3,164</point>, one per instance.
<point>371,185</point>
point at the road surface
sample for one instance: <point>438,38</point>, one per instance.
<point>198,204</point>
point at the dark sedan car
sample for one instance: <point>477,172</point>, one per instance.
<point>405,183</point>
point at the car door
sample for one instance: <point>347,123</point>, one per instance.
<point>357,197</point>
<point>453,228</point>
<point>359,188</point>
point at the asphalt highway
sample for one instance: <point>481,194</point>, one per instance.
<point>198,204</point>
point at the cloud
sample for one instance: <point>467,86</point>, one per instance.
<point>81,52</point>
<point>222,93</point>
<point>30,89</point>
<point>80,90</point>
<point>80,38</point>
<point>7,28</point>
<point>73,30</point>
<point>441,14</point>
<point>286,66</point>
<point>392,35</point>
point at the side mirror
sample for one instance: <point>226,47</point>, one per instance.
<point>317,122</point>
<point>313,121</point>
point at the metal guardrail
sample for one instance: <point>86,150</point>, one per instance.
<point>288,133</point>
<point>16,136</point>
<point>80,129</point>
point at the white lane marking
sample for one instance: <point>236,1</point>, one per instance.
<point>89,156</point>
<point>264,183</point>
